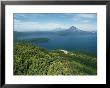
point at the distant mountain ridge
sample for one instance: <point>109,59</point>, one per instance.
<point>71,30</point>
<point>74,30</point>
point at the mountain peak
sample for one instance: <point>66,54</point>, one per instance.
<point>73,28</point>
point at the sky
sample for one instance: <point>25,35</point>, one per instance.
<point>54,21</point>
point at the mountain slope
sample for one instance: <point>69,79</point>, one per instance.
<point>71,29</point>
<point>34,60</point>
<point>75,31</point>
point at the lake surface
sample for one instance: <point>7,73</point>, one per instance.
<point>85,43</point>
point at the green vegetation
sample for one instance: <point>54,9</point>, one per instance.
<point>34,60</point>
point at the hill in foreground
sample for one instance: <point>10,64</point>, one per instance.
<point>34,60</point>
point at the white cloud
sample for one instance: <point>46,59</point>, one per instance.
<point>36,26</point>
<point>85,21</point>
<point>86,26</point>
<point>89,16</point>
<point>25,26</point>
<point>78,20</point>
<point>84,18</point>
<point>82,15</point>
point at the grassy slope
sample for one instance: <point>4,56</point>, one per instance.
<point>33,60</point>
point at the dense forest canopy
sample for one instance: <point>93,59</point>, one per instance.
<point>34,60</point>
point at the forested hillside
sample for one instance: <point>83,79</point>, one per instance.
<point>34,60</point>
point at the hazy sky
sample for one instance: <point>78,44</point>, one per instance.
<point>54,21</point>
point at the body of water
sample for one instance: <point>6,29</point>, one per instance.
<point>85,43</point>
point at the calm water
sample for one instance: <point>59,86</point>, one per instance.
<point>85,43</point>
